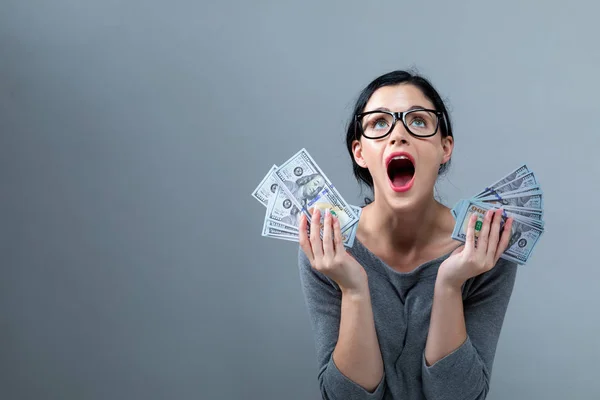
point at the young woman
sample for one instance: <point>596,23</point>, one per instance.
<point>406,313</point>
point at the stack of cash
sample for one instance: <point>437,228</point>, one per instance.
<point>520,196</point>
<point>298,186</point>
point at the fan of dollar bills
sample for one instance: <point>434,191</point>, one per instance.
<point>295,187</point>
<point>298,185</point>
<point>520,196</point>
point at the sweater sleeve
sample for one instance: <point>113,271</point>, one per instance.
<point>465,373</point>
<point>323,300</point>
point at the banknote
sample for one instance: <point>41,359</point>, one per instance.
<point>279,231</point>
<point>538,221</point>
<point>517,173</point>
<point>276,234</point>
<point>266,187</point>
<point>525,211</point>
<point>534,201</point>
<point>500,195</point>
<point>523,236</point>
<point>282,220</point>
<point>269,225</point>
<point>281,209</point>
<point>523,192</point>
<point>307,186</point>
<point>520,196</point>
<point>273,230</point>
<point>533,215</point>
<point>530,217</point>
<point>524,183</point>
<point>349,235</point>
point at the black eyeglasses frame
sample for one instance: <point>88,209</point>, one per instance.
<point>399,115</point>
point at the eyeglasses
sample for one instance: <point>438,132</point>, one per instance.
<point>378,124</point>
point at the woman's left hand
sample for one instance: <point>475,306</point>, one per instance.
<point>468,260</point>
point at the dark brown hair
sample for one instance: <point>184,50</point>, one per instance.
<point>391,79</point>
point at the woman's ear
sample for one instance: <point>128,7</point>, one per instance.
<point>447,147</point>
<point>357,151</point>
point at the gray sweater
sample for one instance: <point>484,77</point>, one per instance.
<point>402,307</point>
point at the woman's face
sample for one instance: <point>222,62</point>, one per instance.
<point>395,180</point>
<point>313,187</point>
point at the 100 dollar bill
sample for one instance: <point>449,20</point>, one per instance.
<point>282,217</point>
<point>279,231</point>
<point>525,183</point>
<point>282,210</point>
<point>523,236</point>
<point>517,173</point>
<point>272,226</point>
<point>533,200</point>
<point>307,186</point>
<point>267,187</point>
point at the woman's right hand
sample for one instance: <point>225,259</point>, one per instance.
<point>329,255</point>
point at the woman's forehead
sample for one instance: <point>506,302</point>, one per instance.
<point>398,98</point>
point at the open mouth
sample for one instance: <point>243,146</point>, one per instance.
<point>401,172</point>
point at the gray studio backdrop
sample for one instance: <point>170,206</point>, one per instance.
<point>133,132</point>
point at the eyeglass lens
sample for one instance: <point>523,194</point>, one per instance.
<point>418,122</point>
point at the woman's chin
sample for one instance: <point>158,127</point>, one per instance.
<point>402,198</point>
<point>403,203</point>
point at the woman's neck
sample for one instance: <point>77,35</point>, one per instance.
<point>408,232</point>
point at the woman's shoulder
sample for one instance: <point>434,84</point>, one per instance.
<point>499,281</point>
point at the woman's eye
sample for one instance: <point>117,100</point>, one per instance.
<point>419,123</point>
<point>380,124</point>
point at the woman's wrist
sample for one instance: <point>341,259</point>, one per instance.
<point>447,281</point>
<point>359,290</point>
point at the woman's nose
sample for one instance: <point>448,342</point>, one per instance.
<point>399,134</point>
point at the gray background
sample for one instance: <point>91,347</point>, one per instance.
<point>133,132</point>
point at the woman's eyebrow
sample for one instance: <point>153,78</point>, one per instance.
<point>413,107</point>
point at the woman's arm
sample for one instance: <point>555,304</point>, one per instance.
<point>348,355</point>
<point>357,353</point>
<point>447,329</point>
<point>342,316</point>
<point>463,335</point>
